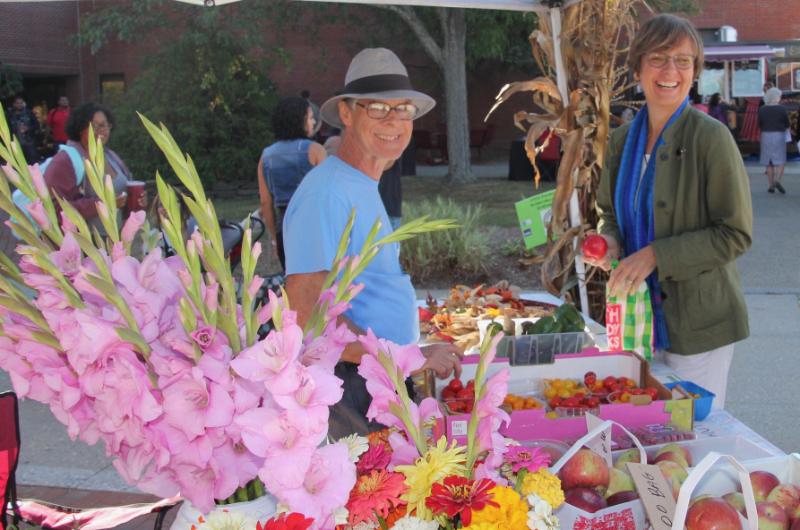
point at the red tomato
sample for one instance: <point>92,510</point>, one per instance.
<point>609,381</point>
<point>652,392</point>
<point>455,385</point>
<point>589,379</point>
<point>465,393</point>
<point>594,247</point>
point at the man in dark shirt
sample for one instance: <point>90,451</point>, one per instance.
<point>24,126</point>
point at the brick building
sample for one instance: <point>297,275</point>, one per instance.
<point>36,40</point>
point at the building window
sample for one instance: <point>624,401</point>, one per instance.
<point>112,85</point>
<point>787,76</point>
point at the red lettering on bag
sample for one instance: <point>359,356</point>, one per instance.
<point>611,521</point>
<point>613,326</point>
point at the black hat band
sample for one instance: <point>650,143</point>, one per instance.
<point>378,83</point>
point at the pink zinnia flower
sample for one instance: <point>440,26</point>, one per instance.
<point>530,458</point>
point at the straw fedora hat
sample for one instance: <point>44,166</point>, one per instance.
<point>375,73</point>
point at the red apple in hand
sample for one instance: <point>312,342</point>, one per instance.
<point>594,247</point>
<point>763,483</point>
<point>712,513</point>
<point>585,469</point>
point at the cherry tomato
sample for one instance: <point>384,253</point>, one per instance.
<point>455,384</point>
<point>589,378</point>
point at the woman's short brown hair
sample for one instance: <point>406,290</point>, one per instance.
<point>661,33</point>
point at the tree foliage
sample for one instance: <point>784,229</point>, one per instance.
<point>214,99</point>
<point>10,82</point>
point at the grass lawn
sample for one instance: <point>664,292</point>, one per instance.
<point>496,195</point>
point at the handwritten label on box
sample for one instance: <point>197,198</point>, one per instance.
<point>655,493</point>
<point>614,326</point>
<point>600,444</point>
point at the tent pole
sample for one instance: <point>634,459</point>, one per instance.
<point>574,206</point>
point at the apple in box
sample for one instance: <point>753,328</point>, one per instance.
<point>585,469</point>
<point>736,500</point>
<point>676,453</point>
<point>771,516</point>
<point>712,513</point>
<point>763,483</point>
<point>587,499</point>
<point>786,495</point>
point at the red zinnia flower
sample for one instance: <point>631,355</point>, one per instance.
<point>375,493</point>
<point>459,495</point>
<point>291,521</point>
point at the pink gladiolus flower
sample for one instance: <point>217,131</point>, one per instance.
<point>38,181</point>
<point>11,174</point>
<point>318,389</point>
<point>39,215</point>
<point>495,391</point>
<point>67,225</point>
<point>68,257</point>
<point>325,487</point>
<point>404,452</point>
<point>255,285</point>
<point>191,404</point>
<point>407,358</point>
<point>132,225</point>
<point>272,360</point>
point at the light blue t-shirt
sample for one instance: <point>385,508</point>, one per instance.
<point>314,223</point>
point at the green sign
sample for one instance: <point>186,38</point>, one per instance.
<point>534,215</point>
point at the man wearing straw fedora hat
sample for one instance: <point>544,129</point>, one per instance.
<point>376,110</point>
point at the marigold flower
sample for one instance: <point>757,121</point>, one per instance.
<point>510,514</point>
<point>545,485</point>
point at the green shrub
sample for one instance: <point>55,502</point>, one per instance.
<point>215,100</point>
<point>463,249</point>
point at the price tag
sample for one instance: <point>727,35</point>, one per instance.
<point>655,493</point>
<point>459,428</point>
<point>600,444</point>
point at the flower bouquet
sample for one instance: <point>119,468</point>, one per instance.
<point>411,477</point>
<point>160,359</point>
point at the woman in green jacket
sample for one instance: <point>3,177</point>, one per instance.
<point>674,205</point>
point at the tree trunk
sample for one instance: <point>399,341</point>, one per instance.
<point>455,84</point>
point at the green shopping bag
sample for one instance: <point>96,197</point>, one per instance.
<point>629,322</point>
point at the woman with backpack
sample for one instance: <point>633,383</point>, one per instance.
<point>65,173</point>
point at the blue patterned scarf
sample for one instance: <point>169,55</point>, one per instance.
<point>633,203</point>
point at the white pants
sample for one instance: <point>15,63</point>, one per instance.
<point>708,369</point>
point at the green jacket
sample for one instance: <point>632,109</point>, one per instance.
<point>703,222</point>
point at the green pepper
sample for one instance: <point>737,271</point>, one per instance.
<point>570,319</point>
<point>543,325</point>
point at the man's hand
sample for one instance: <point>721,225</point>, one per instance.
<point>632,271</point>
<point>443,358</point>
<point>122,198</point>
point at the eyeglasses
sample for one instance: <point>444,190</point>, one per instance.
<point>681,61</point>
<point>378,111</point>
<point>100,126</point>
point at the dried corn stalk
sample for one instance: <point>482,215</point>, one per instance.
<point>594,50</point>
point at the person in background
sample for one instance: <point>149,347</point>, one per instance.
<point>716,109</point>
<point>57,121</point>
<point>675,209</point>
<point>306,95</point>
<point>375,110</point>
<point>24,126</point>
<point>773,120</point>
<point>697,101</point>
<point>60,174</point>
<point>284,164</point>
